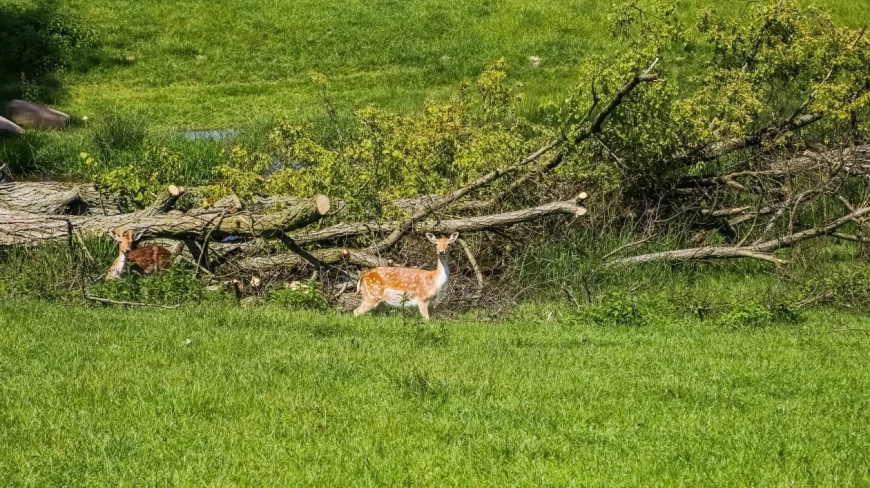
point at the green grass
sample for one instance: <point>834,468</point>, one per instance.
<point>266,397</point>
<point>200,63</point>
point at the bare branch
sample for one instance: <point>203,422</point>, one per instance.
<point>763,251</point>
<point>129,304</point>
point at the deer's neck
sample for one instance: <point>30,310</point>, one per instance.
<point>118,266</point>
<point>442,271</point>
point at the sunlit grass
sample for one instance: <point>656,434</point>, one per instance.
<point>269,397</point>
<point>204,64</point>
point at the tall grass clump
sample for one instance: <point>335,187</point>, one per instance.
<point>174,286</point>
<point>54,270</point>
<point>115,134</point>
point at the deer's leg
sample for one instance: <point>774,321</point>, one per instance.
<point>424,309</point>
<point>364,307</point>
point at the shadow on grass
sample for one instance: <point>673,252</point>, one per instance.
<point>38,41</point>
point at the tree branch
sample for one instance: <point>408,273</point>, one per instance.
<point>763,251</point>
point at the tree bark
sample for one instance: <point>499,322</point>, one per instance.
<point>18,227</point>
<point>288,261</point>
<point>465,224</point>
<point>763,250</point>
<point>165,201</point>
<point>59,198</point>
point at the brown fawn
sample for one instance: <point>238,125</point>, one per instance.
<point>406,287</point>
<point>145,260</point>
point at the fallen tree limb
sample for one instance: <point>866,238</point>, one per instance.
<point>763,251</point>
<point>418,203</point>
<point>472,261</point>
<point>129,304</point>
<point>471,224</point>
<point>465,224</point>
<point>850,237</point>
<point>698,253</point>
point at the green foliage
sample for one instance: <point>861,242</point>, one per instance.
<point>173,286</point>
<point>30,91</point>
<point>618,309</point>
<point>141,181</point>
<point>844,286</point>
<point>754,314</point>
<point>775,63</point>
<point>389,156</point>
<point>300,295</point>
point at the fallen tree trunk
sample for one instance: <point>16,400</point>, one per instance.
<point>59,198</point>
<point>18,227</point>
<point>289,261</point>
<point>63,198</point>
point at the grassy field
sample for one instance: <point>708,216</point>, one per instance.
<point>218,394</point>
<point>266,397</point>
<point>199,63</point>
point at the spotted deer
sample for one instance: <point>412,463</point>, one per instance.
<point>145,260</point>
<point>406,287</point>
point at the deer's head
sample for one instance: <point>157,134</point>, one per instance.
<point>441,243</point>
<point>125,240</point>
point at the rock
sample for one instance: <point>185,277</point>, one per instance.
<point>28,114</point>
<point>9,128</point>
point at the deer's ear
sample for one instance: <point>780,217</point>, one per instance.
<point>114,235</point>
<point>431,238</point>
<point>454,236</point>
<point>138,236</point>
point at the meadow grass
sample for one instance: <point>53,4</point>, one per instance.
<point>199,63</point>
<point>268,397</point>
